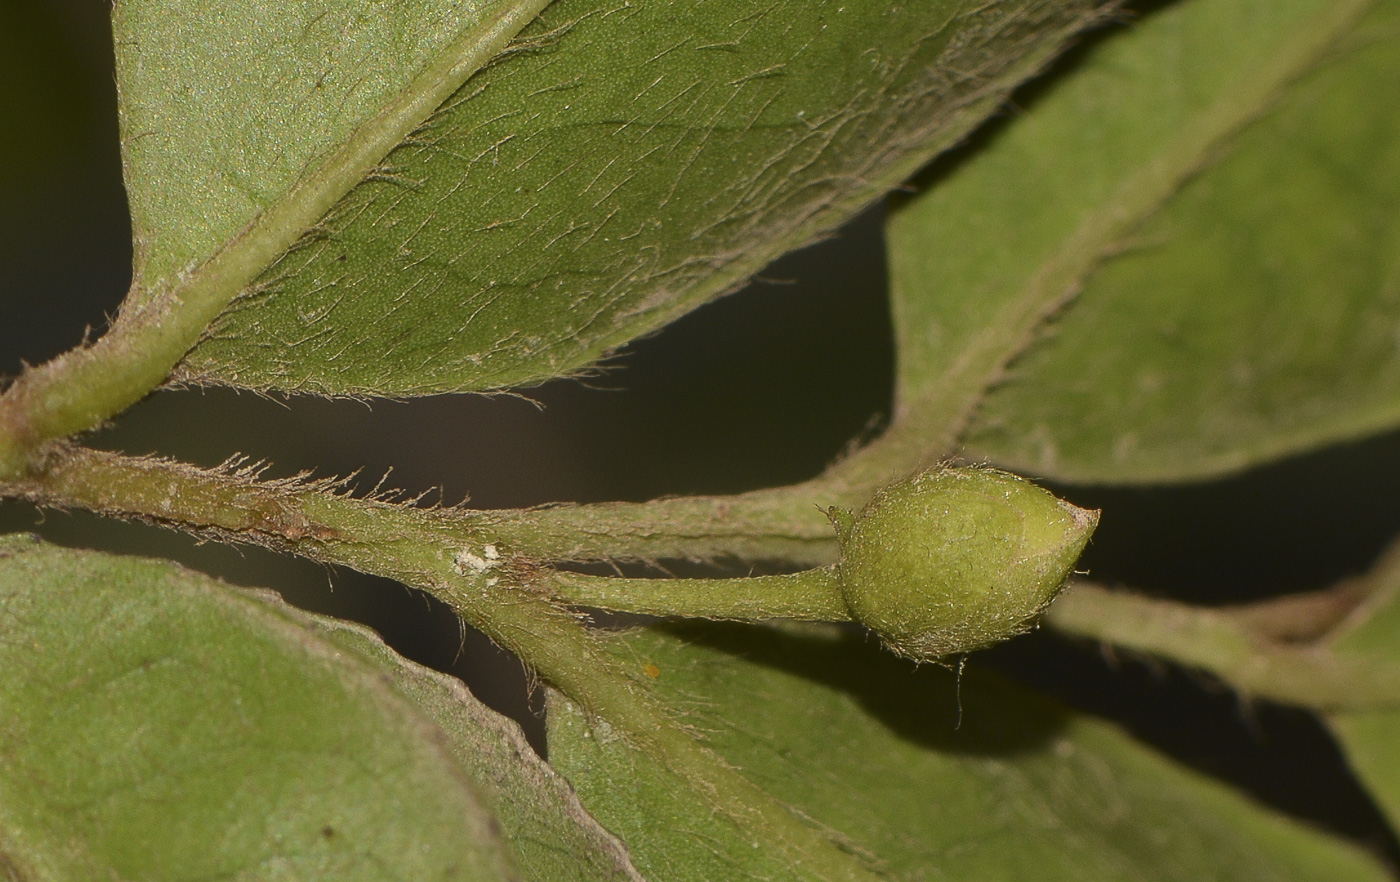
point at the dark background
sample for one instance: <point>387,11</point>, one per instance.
<point>759,389</point>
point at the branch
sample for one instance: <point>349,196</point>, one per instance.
<point>784,523</point>
<point>1270,650</point>
<point>456,558</point>
<point>812,595</point>
<point>943,563</point>
<point>230,503</point>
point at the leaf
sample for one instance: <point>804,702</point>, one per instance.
<point>167,726</point>
<point>548,832</point>
<point>1371,738</point>
<point>1008,787</point>
<point>622,164</point>
<point>232,155</point>
<point>1220,181</point>
<point>225,110</point>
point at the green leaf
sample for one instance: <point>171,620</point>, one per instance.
<point>167,726</point>
<point>1219,180</point>
<point>621,165</point>
<point>233,153</point>
<point>1372,747</point>
<point>1371,738</point>
<point>919,775</point>
<point>226,109</point>
<point>547,830</point>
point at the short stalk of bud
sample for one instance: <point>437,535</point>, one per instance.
<point>947,562</point>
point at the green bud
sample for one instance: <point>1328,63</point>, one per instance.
<point>957,559</point>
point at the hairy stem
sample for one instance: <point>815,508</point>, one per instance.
<point>780,523</point>
<point>230,503</point>
<point>784,523</point>
<point>813,595</point>
<point>474,570</point>
<point>1240,645</point>
<point>511,595</point>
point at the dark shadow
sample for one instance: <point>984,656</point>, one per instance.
<point>1282,756</point>
<point>1300,524</point>
<point>65,234</point>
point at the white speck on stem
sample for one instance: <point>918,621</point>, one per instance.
<point>468,562</point>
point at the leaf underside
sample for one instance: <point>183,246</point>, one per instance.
<point>621,165</point>
<point>224,108</point>
<point>168,726</point>
<point>917,776</point>
<point>1368,738</point>
<point>1245,312</point>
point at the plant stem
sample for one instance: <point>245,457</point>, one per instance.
<point>812,595</point>
<point>1231,643</point>
<point>1252,648</point>
<point>781,523</point>
<point>495,596</point>
<point>785,523</point>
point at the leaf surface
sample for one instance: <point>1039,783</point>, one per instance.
<point>874,751</point>
<point>1371,738</point>
<point>1202,209</point>
<point>622,164</point>
<point>167,726</point>
<point>548,832</point>
<point>225,109</point>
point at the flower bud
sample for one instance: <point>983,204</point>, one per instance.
<point>957,559</point>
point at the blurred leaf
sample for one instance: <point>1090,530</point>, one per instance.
<point>1371,738</point>
<point>1371,741</point>
<point>225,108</point>
<point>622,165</point>
<point>924,777</point>
<point>1221,180</point>
<point>167,726</point>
